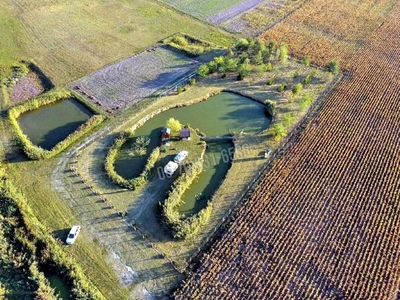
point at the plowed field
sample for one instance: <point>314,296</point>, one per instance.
<point>324,222</point>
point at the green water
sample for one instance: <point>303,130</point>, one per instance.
<point>59,286</point>
<point>50,124</point>
<point>218,115</point>
<point>217,162</point>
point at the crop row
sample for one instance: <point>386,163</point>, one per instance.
<point>330,29</point>
<point>323,222</point>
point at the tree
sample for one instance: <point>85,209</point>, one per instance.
<point>174,125</point>
<point>297,88</point>
<point>306,61</point>
<point>333,67</point>
<point>243,70</point>
<point>230,65</point>
<point>203,71</point>
<point>242,45</point>
<point>283,53</point>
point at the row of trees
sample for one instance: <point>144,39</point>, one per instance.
<point>249,54</point>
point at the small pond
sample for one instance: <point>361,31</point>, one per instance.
<point>218,115</point>
<point>50,124</point>
<point>59,286</point>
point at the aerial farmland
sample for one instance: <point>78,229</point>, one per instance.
<point>199,149</point>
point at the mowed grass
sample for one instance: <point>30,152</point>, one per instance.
<point>70,39</point>
<point>202,9</point>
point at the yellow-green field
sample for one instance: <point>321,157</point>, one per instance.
<point>70,39</point>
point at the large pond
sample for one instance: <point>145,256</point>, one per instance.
<point>219,115</point>
<point>50,124</point>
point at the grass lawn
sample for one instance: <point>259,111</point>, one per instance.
<point>70,39</point>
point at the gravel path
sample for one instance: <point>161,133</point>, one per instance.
<point>234,11</point>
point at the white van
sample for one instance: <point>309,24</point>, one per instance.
<point>73,234</point>
<point>170,168</point>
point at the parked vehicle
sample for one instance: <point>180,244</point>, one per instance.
<point>73,234</point>
<point>181,156</point>
<point>170,168</point>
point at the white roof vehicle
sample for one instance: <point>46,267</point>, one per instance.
<point>181,156</point>
<point>73,234</point>
<point>170,168</point>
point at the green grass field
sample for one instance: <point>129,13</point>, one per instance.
<point>70,39</point>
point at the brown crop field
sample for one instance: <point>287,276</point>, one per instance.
<point>327,30</point>
<point>324,221</point>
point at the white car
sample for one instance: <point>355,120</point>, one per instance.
<point>181,156</point>
<point>170,168</point>
<point>73,234</point>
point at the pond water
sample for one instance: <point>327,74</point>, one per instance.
<point>59,286</point>
<point>219,115</point>
<point>50,124</point>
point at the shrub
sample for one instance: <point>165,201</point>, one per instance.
<point>309,77</point>
<point>278,131</point>
<point>307,61</point>
<point>268,66</point>
<point>270,107</point>
<point>305,101</point>
<point>203,71</point>
<point>282,87</point>
<point>283,53</point>
<point>297,88</point>
<point>271,81</point>
<point>333,67</point>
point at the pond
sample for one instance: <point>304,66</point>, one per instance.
<point>59,286</point>
<point>50,124</point>
<point>219,115</point>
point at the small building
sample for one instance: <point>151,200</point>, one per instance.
<point>185,134</point>
<point>165,134</point>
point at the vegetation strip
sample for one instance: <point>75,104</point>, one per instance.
<point>184,227</point>
<point>36,152</point>
<point>112,154</point>
<point>36,248</point>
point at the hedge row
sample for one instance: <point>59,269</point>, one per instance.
<point>40,248</point>
<point>36,152</point>
<point>112,155</point>
<point>190,45</point>
<point>182,227</point>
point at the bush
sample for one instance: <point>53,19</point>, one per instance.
<point>36,152</point>
<point>333,67</point>
<point>309,77</point>
<point>297,88</point>
<point>282,87</point>
<point>307,61</point>
<point>270,107</point>
<point>278,131</point>
<point>203,71</point>
<point>271,81</point>
<point>305,101</point>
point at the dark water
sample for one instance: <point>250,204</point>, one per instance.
<point>218,115</point>
<point>50,124</point>
<point>60,287</point>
